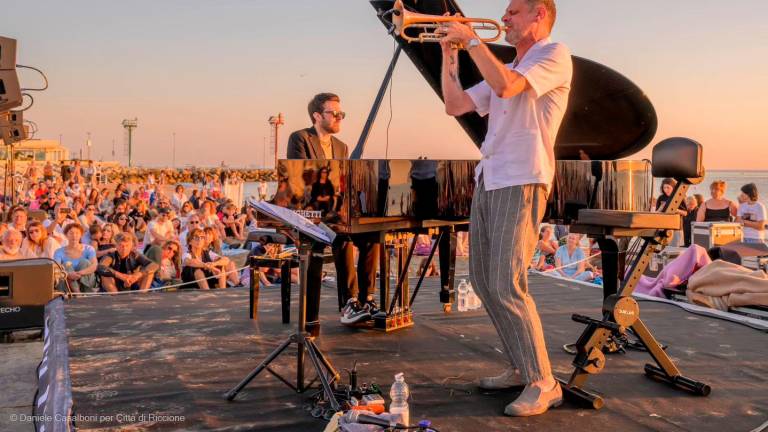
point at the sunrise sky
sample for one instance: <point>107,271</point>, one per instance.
<point>212,72</point>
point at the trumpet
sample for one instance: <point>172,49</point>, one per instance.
<point>404,20</point>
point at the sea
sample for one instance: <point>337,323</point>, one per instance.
<point>734,180</point>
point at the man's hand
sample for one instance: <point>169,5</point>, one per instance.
<point>456,33</point>
<point>73,276</point>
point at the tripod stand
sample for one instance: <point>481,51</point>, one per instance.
<point>304,342</point>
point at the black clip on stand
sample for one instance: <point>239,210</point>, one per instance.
<point>301,338</point>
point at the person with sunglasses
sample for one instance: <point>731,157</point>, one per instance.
<point>199,269</point>
<point>318,143</point>
<point>38,243</point>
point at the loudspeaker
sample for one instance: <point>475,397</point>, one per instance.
<point>26,286</point>
<point>12,127</point>
<point>10,91</point>
<point>7,53</point>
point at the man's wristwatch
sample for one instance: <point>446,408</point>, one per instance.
<point>473,43</point>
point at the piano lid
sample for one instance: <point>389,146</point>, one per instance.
<point>608,116</point>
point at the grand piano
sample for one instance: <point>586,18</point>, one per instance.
<point>608,118</point>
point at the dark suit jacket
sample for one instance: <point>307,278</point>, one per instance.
<point>305,144</point>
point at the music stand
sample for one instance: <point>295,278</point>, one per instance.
<point>305,235</point>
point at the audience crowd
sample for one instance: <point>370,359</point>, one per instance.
<point>111,238</point>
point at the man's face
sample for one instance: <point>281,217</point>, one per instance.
<point>12,241</point>
<point>328,121</point>
<point>19,219</point>
<point>124,248</point>
<point>520,20</point>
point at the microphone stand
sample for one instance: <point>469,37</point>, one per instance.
<point>304,341</point>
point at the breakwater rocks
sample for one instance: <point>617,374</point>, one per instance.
<point>122,174</point>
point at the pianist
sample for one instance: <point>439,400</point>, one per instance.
<point>525,102</point>
<point>317,142</point>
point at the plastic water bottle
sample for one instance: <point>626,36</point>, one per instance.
<point>399,393</point>
<point>463,296</point>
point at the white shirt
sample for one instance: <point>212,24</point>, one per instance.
<point>519,147</point>
<point>752,212</point>
<point>165,229</point>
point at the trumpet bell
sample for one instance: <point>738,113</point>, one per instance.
<point>418,27</point>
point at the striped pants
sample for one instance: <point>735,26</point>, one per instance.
<point>504,229</point>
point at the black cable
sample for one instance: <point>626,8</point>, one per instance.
<point>31,101</point>
<point>391,115</point>
<point>45,79</point>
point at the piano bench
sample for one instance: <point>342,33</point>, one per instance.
<point>285,265</point>
<point>630,220</point>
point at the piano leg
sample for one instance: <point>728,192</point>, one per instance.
<point>447,256</point>
<point>384,272</point>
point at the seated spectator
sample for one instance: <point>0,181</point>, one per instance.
<point>198,264</point>
<point>106,205</point>
<point>214,244</point>
<point>693,209</point>
<point>125,269</point>
<point>106,243</point>
<point>179,198</point>
<point>544,257</point>
<point>234,224</point>
<point>667,187</point>
<point>186,210</point>
<point>38,244</point>
<point>141,216</point>
<point>192,223</point>
<point>159,230</point>
<point>49,205</point>
<point>209,218</point>
<point>718,208</point>
<point>17,219</point>
<point>570,260</point>
<point>124,223</point>
<point>170,264</point>
<point>751,214</point>
<point>78,260</point>
<point>11,246</point>
<point>176,225</point>
<point>89,217</point>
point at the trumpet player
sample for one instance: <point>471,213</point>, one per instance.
<point>525,102</point>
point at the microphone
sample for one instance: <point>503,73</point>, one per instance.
<point>353,416</point>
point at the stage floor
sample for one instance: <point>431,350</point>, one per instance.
<point>163,362</point>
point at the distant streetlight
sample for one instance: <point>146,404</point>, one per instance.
<point>88,144</point>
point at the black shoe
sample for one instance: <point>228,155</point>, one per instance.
<point>354,313</point>
<point>371,305</point>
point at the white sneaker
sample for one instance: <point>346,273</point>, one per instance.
<point>534,401</point>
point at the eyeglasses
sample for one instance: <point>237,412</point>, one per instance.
<point>198,238</point>
<point>193,222</point>
<point>338,114</point>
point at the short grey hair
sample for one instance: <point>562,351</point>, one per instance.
<point>549,5</point>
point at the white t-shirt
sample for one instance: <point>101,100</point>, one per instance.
<point>164,229</point>
<point>752,212</point>
<point>519,146</point>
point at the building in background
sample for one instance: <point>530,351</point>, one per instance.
<point>36,150</point>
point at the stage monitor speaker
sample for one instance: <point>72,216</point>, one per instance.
<point>10,91</point>
<point>7,53</point>
<point>26,286</point>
